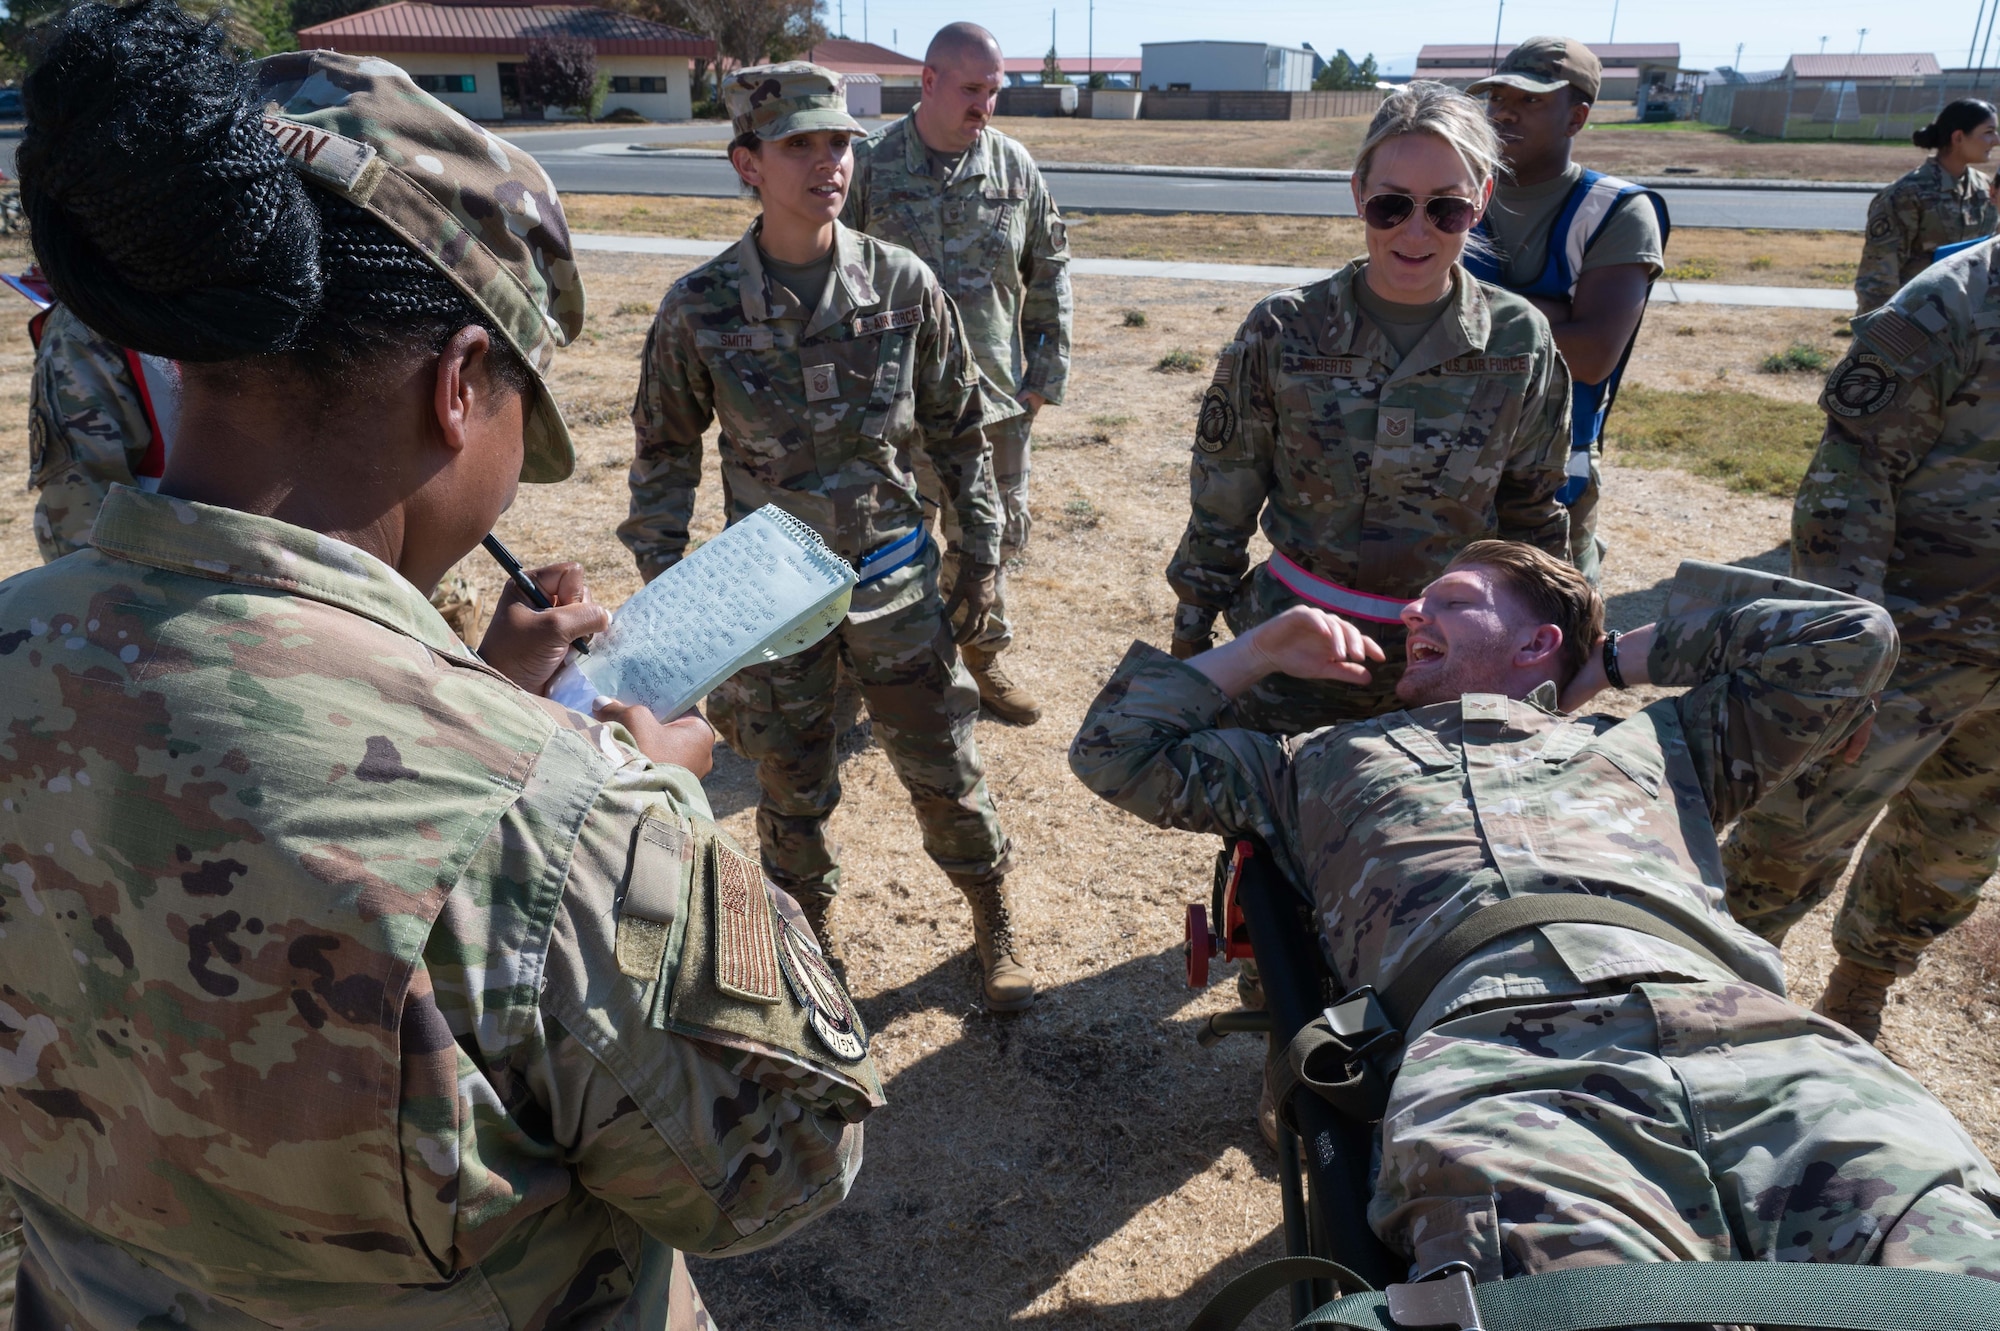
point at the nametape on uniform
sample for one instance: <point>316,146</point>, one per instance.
<point>1340,367</point>
<point>654,882</point>
<point>746,944</point>
<point>1485,365</point>
<point>908,317</point>
<point>747,339</point>
<point>320,153</point>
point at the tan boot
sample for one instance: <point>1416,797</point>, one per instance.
<point>1854,996</point>
<point>816,906</point>
<point>1009,984</point>
<point>998,691</point>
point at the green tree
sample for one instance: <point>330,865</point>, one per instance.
<point>1342,74</point>
<point>1052,70</point>
<point>306,13</point>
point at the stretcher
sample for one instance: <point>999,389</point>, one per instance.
<point>1340,1274</point>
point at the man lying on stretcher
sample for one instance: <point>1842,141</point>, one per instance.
<point>1579,1092</point>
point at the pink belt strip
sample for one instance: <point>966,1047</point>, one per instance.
<point>1332,596</point>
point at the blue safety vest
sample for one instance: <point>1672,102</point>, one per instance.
<point>1584,215</point>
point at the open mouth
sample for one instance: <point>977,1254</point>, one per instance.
<point>1421,652</point>
<point>826,191</point>
<point>1414,260</point>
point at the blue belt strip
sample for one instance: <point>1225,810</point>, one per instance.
<point>891,557</point>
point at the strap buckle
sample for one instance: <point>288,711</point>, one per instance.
<point>1443,1297</point>
<point>1362,1023</point>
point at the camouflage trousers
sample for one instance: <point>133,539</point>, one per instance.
<point>1010,468</point>
<point>1934,761</point>
<point>1285,705</point>
<point>896,647</point>
<point>1673,1122</point>
<point>1586,551</point>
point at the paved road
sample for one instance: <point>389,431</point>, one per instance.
<point>603,162</point>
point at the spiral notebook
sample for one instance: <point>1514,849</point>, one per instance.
<point>767,587</point>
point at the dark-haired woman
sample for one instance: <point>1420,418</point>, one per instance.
<point>1942,202</point>
<point>344,980</point>
<point>828,355</point>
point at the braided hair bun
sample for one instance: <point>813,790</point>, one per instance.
<point>162,212</point>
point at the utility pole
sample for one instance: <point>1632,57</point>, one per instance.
<point>1496,35</point>
<point>1859,40</point>
<point>1052,38</point>
<point>843,17</point>
<point>864,20</point>
<point>1822,46</point>
<point>1614,23</point>
<point>1090,47</point>
<point>1738,66</point>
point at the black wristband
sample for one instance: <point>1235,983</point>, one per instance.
<point>1611,670</point>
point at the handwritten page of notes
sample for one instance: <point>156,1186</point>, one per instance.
<point>765,588</point>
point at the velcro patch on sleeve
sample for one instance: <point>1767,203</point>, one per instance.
<point>866,325</point>
<point>1862,385</point>
<point>325,156</point>
<point>1225,364</point>
<point>1896,336</point>
<point>654,902</point>
<point>1485,365</point>
<point>746,943</point>
<point>1216,425</point>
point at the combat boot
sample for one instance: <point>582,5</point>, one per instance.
<point>1008,983</point>
<point>997,689</point>
<point>1854,996</point>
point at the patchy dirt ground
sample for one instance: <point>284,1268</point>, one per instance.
<point>1086,1164</point>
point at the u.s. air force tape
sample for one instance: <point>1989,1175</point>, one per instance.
<point>829,1011</point>
<point>1862,386</point>
<point>1217,424</point>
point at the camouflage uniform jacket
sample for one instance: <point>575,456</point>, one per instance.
<point>992,235</point>
<point>1370,476</point>
<point>87,430</point>
<point>1901,504</point>
<point>1912,217</point>
<point>346,983</point>
<point>1401,826</point>
<point>817,413</point>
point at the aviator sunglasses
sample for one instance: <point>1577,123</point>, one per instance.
<point>1447,212</point>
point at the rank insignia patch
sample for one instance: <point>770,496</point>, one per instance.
<point>1862,386</point>
<point>1217,424</point>
<point>822,382</point>
<point>746,947</point>
<point>829,1011</point>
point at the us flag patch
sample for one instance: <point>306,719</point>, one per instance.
<point>746,945</point>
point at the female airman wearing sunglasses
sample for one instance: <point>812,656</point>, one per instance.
<point>1376,421</point>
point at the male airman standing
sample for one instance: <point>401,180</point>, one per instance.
<point>969,200</point>
<point>1583,246</point>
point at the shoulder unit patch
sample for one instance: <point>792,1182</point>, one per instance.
<point>830,1013</point>
<point>1216,425</point>
<point>1862,386</point>
<point>746,946</point>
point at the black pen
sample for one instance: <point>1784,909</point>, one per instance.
<point>528,586</point>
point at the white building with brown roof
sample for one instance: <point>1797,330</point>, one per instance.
<point>467,55</point>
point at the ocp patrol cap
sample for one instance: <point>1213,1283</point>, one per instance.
<point>478,208</point>
<point>1544,64</point>
<point>796,97</point>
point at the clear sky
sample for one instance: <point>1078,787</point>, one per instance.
<point>1708,30</point>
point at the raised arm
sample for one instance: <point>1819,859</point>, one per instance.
<point>1884,409</point>
<point>674,405</point>
<point>954,404</point>
<point>1229,478</point>
<point>1778,674</point>
<point>1046,306</point>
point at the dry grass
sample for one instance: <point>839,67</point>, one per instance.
<point>1084,1164</point>
<point>1624,149</point>
<point>1753,258</point>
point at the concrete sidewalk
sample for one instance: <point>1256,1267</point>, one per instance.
<point>1273,278</point>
